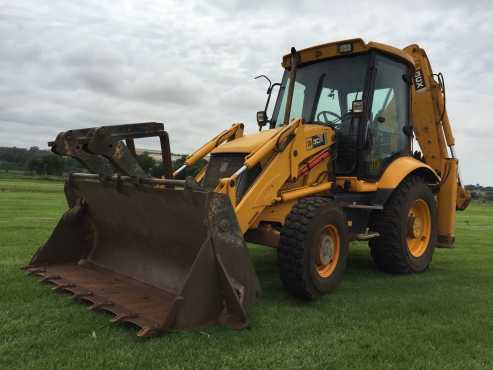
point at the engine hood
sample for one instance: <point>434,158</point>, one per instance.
<point>246,143</point>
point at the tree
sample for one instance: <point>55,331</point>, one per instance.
<point>6,166</point>
<point>49,164</point>
<point>488,195</point>
<point>158,170</point>
<point>54,164</point>
<point>146,162</point>
<point>72,165</point>
<point>188,171</point>
<point>34,165</point>
<point>15,157</point>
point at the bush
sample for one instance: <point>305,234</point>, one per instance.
<point>488,195</point>
<point>49,164</point>
<point>158,170</point>
<point>146,162</point>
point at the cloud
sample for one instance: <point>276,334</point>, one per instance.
<point>191,64</point>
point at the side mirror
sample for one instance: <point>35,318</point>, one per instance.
<point>262,118</point>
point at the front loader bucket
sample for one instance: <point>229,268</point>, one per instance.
<point>155,256</point>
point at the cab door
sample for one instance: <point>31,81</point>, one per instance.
<point>388,119</point>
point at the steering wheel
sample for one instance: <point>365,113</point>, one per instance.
<point>325,114</point>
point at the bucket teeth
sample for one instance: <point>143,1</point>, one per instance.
<point>50,277</point>
<point>147,332</point>
<point>123,317</point>
<point>33,270</point>
<point>99,305</point>
<point>63,286</point>
<point>82,295</point>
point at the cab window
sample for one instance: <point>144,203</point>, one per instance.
<point>389,115</point>
<point>328,101</point>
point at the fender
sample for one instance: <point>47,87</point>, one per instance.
<point>401,168</point>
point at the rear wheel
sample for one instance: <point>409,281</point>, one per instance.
<point>407,228</point>
<point>313,249</point>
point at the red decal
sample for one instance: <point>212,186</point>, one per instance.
<point>307,167</point>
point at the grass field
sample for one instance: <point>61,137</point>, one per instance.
<point>441,319</point>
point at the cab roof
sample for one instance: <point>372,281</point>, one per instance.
<point>345,47</point>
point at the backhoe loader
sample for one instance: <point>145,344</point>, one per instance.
<point>358,146</point>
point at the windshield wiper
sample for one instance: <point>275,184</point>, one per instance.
<point>320,86</point>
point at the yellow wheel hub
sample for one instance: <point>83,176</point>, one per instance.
<point>329,250</point>
<point>418,228</point>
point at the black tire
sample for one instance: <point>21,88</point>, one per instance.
<point>390,251</point>
<point>310,222</point>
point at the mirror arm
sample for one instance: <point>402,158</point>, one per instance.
<point>269,95</point>
<point>268,80</point>
<point>269,92</point>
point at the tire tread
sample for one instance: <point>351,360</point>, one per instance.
<point>386,250</point>
<point>291,250</point>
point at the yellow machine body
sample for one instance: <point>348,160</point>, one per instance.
<point>170,253</point>
<point>272,196</point>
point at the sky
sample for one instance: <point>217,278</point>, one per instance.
<point>190,64</point>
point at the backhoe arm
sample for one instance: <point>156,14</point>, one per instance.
<point>434,135</point>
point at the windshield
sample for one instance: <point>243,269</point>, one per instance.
<point>323,91</point>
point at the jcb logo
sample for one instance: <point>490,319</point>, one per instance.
<point>318,140</point>
<point>315,141</point>
<point>419,80</point>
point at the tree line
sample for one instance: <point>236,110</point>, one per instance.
<point>35,161</point>
<point>156,168</point>
<point>44,162</point>
<point>479,192</point>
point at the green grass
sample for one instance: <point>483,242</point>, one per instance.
<point>441,319</point>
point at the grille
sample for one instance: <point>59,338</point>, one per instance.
<point>224,165</point>
<point>221,165</point>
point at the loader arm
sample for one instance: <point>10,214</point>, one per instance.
<point>282,157</point>
<point>434,135</point>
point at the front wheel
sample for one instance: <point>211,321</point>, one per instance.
<point>313,249</point>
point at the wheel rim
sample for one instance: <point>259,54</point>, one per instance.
<point>329,250</point>
<point>418,228</point>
